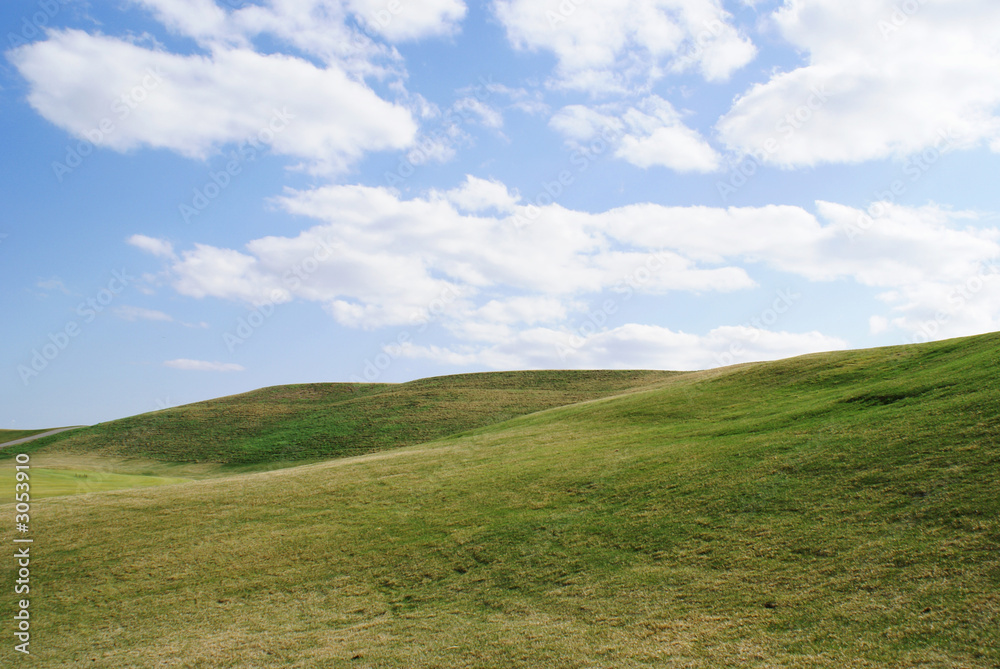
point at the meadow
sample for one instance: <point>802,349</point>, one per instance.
<point>13,435</point>
<point>832,510</point>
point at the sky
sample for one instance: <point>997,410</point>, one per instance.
<point>202,198</point>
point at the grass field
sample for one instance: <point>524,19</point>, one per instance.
<point>63,481</point>
<point>834,510</point>
<point>320,421</point>
<point>13,435</point>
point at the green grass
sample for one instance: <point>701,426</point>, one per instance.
<point>55,482</point>
<point>835,510</point>
<point>12,435</point>
<point>319,421</point>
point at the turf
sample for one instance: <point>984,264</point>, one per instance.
<point>835,510</point>
<point>55,482</point>
<point>12,435</point>
<point>321,421</point>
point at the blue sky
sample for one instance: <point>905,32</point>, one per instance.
<point>202,198</point>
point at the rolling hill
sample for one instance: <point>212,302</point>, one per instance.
<point>832,510</point>
<point>328,420</point>
<point>14,435</point>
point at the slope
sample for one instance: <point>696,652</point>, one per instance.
<point>14,435</point>
<point>835,510</point>
<point>319,421</point>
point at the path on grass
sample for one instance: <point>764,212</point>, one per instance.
<point>39,436</point>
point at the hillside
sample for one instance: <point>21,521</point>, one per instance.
<point>321,421</point>
<point>14,435</point>
<point>833,510</point>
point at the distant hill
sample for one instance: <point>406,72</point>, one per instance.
<point>14,435</point>
<point>833,510</point>
<point>329,420</point>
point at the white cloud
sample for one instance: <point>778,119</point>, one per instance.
<point>498,319</point>
<point>879,82</point>
<point>488,116</point>
<point>630,346</point>
<point>54,283</point>
<point>487,265</point>
<point>195,104</point>
<point>619,45</point>
<point>528,310</point>
<point>203,365</point>
<point>226,273</point>
<point>939,270</point>
<point>158,247</point>
<point>964,305</point>
<point>898,246</point>
<point>317,27</point>
<point>439,149</point>
<point>379,260</point>
<point>476,195</point>
<point>646,135</point>
<point>878,324</point>
<point>202,20</point>
<point>130,313</point>
<point>476,105</point>
<point>521,99</point>
<point>406,20</point>
<point>580,123</point>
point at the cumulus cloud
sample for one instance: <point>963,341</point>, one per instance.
<point>157,247</point>
<point>319,27</point>
<point>630,346</point>
<point>940,271</point>
<point>377,259</point>
<point>929,310</point>
<point>606,46</point>
<point>409,20</point>
<point>117,94</point>
<point>881,81</point>
<point>477,194</point>
<point>203,20</point>
<point>648,134</point>
<point>492,268</point>
<point>203,365</point>
<point>122,96</point>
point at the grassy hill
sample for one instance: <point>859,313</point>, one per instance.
<point>53,482</point>
<point>328,420</point>
<point>13,435</point>
<point>834,510</point>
